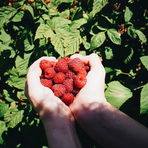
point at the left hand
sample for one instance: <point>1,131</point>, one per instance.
<point>43,98</point>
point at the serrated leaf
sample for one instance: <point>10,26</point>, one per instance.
<point>65,14</point>
<point>132,32</point>
<point>21,64</point>
<point>144,100</point>
<point>4,37</point>
<point>141,36</point>
<point>43,31</point>
<point>7,96</point>
<point>98,5</point>
<point>144,60</point>
<point>30,9</point>
<point>78,23</point>
<point>3,128</point>
<point>117,94</point>
<point>57,42</point>
<point>3,108</point>
<point>18,17</point>
<point>13,117</point>
<point>97,40</point>
<point>114,36</point>
<point>5,17</point>
<point>128,14</point>
<point>16,81</point>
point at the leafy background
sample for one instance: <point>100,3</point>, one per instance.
<point>114,29</point>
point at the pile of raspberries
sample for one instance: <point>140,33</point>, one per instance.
<point>65,77</point>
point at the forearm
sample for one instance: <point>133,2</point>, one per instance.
<point>60,132</point>
<point>110,127</point>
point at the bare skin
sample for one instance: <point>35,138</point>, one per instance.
<point>101,121</point>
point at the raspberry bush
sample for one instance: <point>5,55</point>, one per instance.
<point>29,29</point>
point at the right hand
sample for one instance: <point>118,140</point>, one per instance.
<point>93,91</point>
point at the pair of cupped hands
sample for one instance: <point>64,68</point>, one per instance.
<point>47,104</point>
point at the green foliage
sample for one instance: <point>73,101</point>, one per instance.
<point>115,30</point>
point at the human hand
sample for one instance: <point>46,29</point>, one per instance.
<point>93,91</point>
<point>43,98</point>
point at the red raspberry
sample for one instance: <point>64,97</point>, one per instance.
<point>46,82</point>
<point>44,64</point>
<point>87,67</point>
<point>59,90</point>
<point>67,59</point>
<point>61,66</point>
<point>49,73</point>
<point>76,64</point>
<point>79,81</point>
<point>82,72</point>
<point>59,77</point>
<point>68,98</point>
<point>70,74</point>
<point>68,83</point>
<point>75,91</point>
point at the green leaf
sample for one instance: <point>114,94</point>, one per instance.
<point>21,64</point>
<point>18,17</point>
<point>29,8</point>
<point>141,36</point>
<point>117,94</point>
<point>97,40</point>
<point>114,36</point>
<point>144,100</point>
<point>78,23</point>
<point>128,14</point>
<point>3,108</point>
<point>43,31</point>
<point>4,37</point>
<point>132,32</point>
<point>16,81</point>
<point>98,5</point>
<point>6,13</point>
<point>13,117</point>
<point>108,53</point>
<point>130,56</point>
<point>144,60</point>
<point>65,13</point>
<point>3,128</point>
<point>7,96</point>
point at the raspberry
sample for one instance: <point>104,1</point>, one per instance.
<point>44,64</point>
<point>67,59</point>
<point>59,90</point>
<point>46,82</point>
<point>68,85</point>
<point>68,98</point>
<point>61,66</point>
<point>82,72</point>
<point>49,73</point>
<point>70,74</point>
<point>59,77</point>
<point>76,64</point>
<point>79,81</point>
<point>87,68</point>
<point>75,91</point>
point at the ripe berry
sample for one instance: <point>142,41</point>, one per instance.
<point>82,72</point>
<point>70,74</point>
<point>59,77</point>
<point>79,81</point>
<point>59,90</point>
<point>76,64</point>
<point>49,73</point>
<point>61,66</point>
<point>68,85</point>
<point>46,82</point>
<point>68,98</point>
<point>44,64</point>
